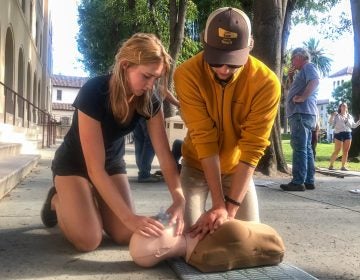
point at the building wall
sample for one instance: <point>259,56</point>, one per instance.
<point>25,26</point>
<point>68,95</point>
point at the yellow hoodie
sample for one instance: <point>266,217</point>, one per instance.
<point>233,121</point>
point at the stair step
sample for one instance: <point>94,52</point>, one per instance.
<point>13,169</point>
<point>9,149</point>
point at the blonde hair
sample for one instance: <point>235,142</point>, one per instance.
<point>141,48</point>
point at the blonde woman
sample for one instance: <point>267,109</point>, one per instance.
<point>92,191</point>
<point>342,122</point>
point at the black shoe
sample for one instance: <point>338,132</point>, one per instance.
<point>291,187</point>
<point>309,186</point>
<point>158,173</point>
<point>48,216</point>
<point>151,179</point>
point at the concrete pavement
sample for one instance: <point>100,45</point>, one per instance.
<point>320,229</point>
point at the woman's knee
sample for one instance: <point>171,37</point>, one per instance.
<point>86,241</point>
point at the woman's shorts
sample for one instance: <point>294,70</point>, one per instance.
<point>119,168</point>
<point>342,136</point>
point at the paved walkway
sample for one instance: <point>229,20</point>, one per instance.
<point>320,229</point>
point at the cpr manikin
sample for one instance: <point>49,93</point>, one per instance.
<point>236,244</point>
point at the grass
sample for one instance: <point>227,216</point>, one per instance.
<point>323,153</point>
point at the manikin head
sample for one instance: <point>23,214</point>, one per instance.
<point>148,251</point>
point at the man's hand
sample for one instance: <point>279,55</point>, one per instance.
<point>291,72</point>
<point>298,99</point>
<point>209,222</point>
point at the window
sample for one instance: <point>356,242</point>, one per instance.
<point>59,94</point>
<point>178,126</point>
<point>65,121</point>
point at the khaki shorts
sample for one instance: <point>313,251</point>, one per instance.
<point>196,191</point>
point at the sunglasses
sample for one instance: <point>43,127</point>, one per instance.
<point>221,65</point>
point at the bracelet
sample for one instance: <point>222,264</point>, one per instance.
<point>232,201</point>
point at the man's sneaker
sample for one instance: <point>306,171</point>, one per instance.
<point>158,173</point>
<point>48,216</point>
<point>151,179</point>
<point>331,167</point>
<point>309,186</point>
<point>291,187</point>
<point>344,169</point>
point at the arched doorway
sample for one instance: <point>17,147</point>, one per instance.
<point>9,71</point>
<point>28,91</point>
<point>34,98</point>
<point>20,87</point>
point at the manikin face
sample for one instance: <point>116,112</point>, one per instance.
<point>141,78</point>
<point>148,251</point>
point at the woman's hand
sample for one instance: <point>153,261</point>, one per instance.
<point>146,226</point>
<point>176,212</point>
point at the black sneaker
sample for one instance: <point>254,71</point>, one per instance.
<point>48,216</point>
<point>291,187</point>
<point>309,186</point>
<point>151,179</point>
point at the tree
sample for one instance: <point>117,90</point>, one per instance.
<point>355,104</point>
<point>318,56</point>
<point>269,16</point>
<point>177,27</point>
<point>104,24</point>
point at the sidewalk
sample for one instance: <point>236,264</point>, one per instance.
<point>320,229</point>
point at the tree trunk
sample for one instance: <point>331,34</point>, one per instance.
<point>268,25</point>
<point>177,27</point>
<point>355,12</point>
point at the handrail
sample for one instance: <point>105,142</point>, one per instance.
<point>39,116</point>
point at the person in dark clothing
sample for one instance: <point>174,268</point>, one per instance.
<point>144,151</point>
<point>92,191</point>
<point>176,151</point>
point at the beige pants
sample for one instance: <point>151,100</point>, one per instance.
<point>196,191</point>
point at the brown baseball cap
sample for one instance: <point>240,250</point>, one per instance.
<point>227,37</point>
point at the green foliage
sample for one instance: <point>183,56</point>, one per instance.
<point>103,24</point>
<point>342,93</point>
<point>320,12</point>
<point>189,48</point>
<point>308,11</point>
<point>318,56</point>
<point>334,28</point>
